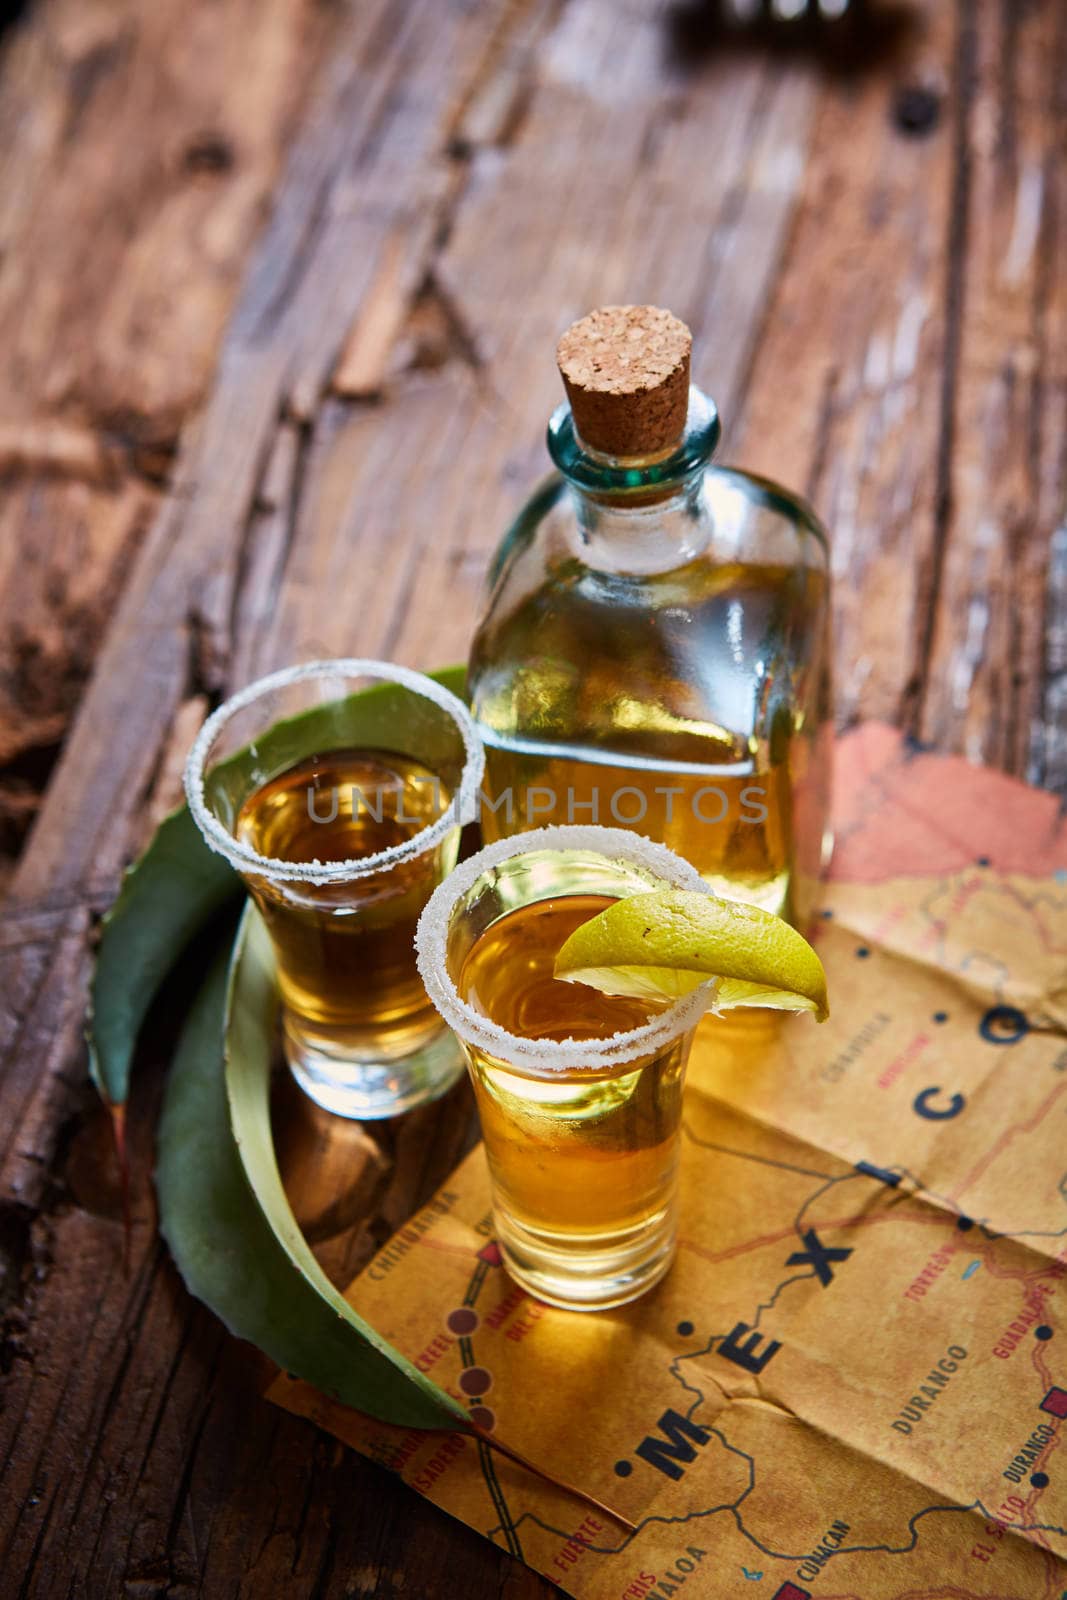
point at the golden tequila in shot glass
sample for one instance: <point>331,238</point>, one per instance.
<point>336,790</point>
<point>579,1093</point>
<point>354,975</point>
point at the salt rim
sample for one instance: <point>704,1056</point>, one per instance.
<point>459,808</point>
<point>555,1055</point>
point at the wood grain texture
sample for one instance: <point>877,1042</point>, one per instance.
<point>250,418</point>
<point>1008,484</point>
<point>138,149</point>
<point>859,424</point>
<point>524,256</point>
<point>155,132</point>
<point>145,1462</point>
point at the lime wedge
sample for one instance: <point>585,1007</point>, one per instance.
<point>668,942</point>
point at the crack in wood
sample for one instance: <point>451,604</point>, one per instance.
<point>265,551</point>
<point>931,579</point>
<point>493,112</point>
<point>462,340</point>
<point>982,690</point>
<point>192,1449</point>
<point>16,1258</point>
<point>1046,761</point>
<point>1048,758</point>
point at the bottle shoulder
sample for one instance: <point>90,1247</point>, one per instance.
<point>752,545</point>
<point>717,636</point>
<point>736,520</point>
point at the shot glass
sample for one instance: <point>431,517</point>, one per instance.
<point>337,790</point>
<point>579,1093</point>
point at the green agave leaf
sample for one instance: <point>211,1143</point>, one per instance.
<point>230,1258</point>
<point>232,1234</point>
<point>174,889</point>
<point>170,893</point>
<point>291,1310</point>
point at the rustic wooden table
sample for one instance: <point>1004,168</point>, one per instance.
<point>280,284</point>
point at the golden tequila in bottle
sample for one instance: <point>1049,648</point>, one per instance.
<point>654,651</point>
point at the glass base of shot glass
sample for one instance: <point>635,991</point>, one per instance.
<point>591,1272</point>
<point>369,1088</point>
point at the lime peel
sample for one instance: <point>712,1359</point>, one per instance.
<point>666,943</point>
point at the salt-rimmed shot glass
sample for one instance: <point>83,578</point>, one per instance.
<point>579,1093</point>
<point>337,790</point>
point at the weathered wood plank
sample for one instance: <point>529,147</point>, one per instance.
<point>686,187</point>
<point>57,592</point>
<point>138,147</point>
<point>1048,763</point>
<point>145,1462</point>
<point>846,401</point>
<point>644,214</point>
<point>984,694</point>
<point>361,163</point>
<point>65,551</point>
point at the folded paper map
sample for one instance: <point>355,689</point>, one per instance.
<point>853,1382</point>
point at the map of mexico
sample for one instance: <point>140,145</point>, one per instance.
<point>854,1380</point>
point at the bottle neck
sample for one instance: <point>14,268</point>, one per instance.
<point>665,530</point>
<point>639,514</point>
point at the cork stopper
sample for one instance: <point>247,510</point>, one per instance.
<point>626,373</point>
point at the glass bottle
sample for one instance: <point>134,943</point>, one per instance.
<point>654,651</point>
